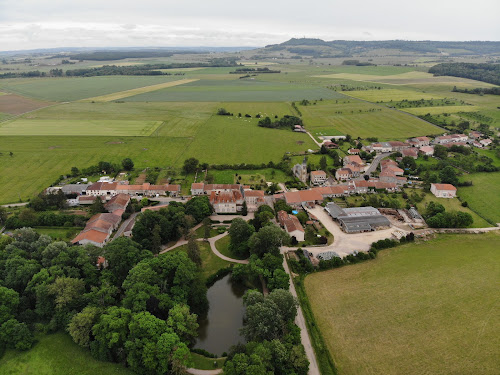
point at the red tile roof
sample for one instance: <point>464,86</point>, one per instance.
<point>445,187</point>
<point>91,235</point>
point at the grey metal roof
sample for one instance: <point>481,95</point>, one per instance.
<point>357,227</point>
<point>334,210</point>
<point>361,211</point>
<point>372,221</point>
<point>74,188</point>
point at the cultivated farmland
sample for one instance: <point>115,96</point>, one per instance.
<point>429,308</point>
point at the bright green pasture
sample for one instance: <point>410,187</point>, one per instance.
<point>38,161</point>
<point>228,176</point>
<point>231,140</point>
<point>69,89</point>
<point>361,119</point>
<point>76,128</point>
<point>61,233</point>
<point>453,204</point>
<point>423,308</point>
<point>57,354</point>
<point>235,90</point>
<point>483,196</point>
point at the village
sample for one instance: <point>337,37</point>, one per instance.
<point>327,227</point>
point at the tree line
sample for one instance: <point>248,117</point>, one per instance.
<point>484,72</point>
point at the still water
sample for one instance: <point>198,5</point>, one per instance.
<point>221,329</point>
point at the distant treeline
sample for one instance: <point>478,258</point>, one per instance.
<point>479,91</point>
<point>253,70</point>
<point>350,47</point>
<point>357,63</point>
<point>129,70</point>
<point>480,72</point>
<point>120,55</point>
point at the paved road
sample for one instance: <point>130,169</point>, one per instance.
<point>375,162</point>
<point>122,227</point>
<point>304,335</point>
<point>15,204</point>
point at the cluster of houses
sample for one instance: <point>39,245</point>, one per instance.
<point>99,228</point>
<point>291,225</point>
<point>229,198</point>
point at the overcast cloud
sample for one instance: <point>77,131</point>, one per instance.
<point>28,24</point>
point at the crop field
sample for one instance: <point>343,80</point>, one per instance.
<point>71,89</point>
<point>387,95</point>
<point>441,109</point>
<point>483,197</point>
<point>230,140</point>
<point>236,90</point>
<point>137,91</point>
<point>363,120</point>
<point>16,105</point>
<point>79,127</point>
<point>426,308</point>
<point>57,354</point>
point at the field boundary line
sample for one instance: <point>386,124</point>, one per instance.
<point>139,90</point>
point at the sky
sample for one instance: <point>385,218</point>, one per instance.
<point>32,24</point>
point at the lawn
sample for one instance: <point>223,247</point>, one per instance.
<point>249,176</point>
<point>453,204</point>
<point>59,233</point>
<point>57,354</point>
<point>361,119</point>
<point>429,308</point>
<point>211,263</point>
<point>76,88</point>
<point>200,232</point>
<point>55,127</point>
<point>205,363</point>
<point>223,246</point>
<point>235,91</point>
<point>483,197</point>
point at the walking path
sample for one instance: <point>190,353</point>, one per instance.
<point>314,139</point>
<point>195,371</point>
<point>301,323</point>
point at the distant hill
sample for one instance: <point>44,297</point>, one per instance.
<point>347,48</point>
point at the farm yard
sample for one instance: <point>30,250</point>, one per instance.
<point>420,308</point>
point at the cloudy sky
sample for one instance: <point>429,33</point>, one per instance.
<point>28,24</point>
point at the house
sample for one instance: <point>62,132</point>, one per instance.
<point>300,171</point>
<point>441,140</point>
<point>88,199</point>
<point>102,189</point>
<point>475,134</point>
<point>333,191</point>
<point>459,138</point>
<point>118,204</point>
<point>353,151</point>
<point>78,189</point>
<point>297,198</point>
<point>98,230</point>
<point>254,199</point>
<point>486,142</point>
<point>225,202</point>
<point>411,152</point>
<point>426,150</point>
<point>127,232</point>
<point>353,160</point>
<point>92,237</point>
<point>291,225</point>
<point>398,145</point>
<point>343,174</point>
<point>197,188</point>
<point>381,147</point>
<point>330,145</point>
<point>444,190</point>
<point>394,169</point>
<point>318,177</point>
<point>420,141</point>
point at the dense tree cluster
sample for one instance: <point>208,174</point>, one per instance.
<point>285,121</point>
<point>479,90</point>
<point>274,341</point>
<point>480,72</point>
<point>154,228</point>
<point>437,217</point>
<point>28,217</point>
<point>138,311</point>
<point>254,70</point>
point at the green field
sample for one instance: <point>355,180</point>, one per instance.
<point>396,95</point>
<point>70,89</point>
<point>211,263</point>
<point>57,354</point>
<point>235,90</point>
<point>363,120</point>
<point>223,246</point>
<point>79,127</point>
<point>483,197</point>
<point>249,176</point>
<point>60,234</point>
<point>429,308</point>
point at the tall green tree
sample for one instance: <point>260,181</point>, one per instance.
<point>194,250</point>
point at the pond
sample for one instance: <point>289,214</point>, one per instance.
<point>221,328</point>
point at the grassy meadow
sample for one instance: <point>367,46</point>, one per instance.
<point>57,354</point>
<point>483,196</point>
<point>426,308</point>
